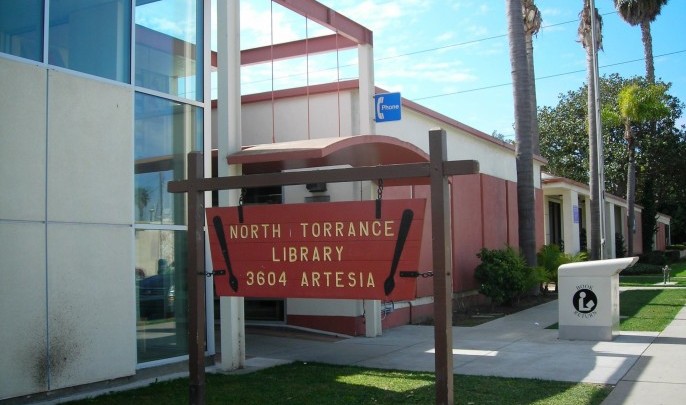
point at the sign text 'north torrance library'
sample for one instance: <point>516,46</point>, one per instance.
<point>323,250</point>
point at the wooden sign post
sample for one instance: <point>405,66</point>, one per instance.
<point>437,170</point>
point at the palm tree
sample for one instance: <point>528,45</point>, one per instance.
<point>638,105</point>
<point>532,24</point>
<point>587,37</point>
<point>142,200</point>
<point>523,128</point>
<point>642,12</point>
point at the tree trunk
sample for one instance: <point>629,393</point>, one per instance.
<point>521,90</point>
<point>535,142</point>
<point>647,223</point>
<point>648,51</point>
<point>630,191</point>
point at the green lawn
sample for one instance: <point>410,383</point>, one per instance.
<point>678,275</point>
<point>311,383</point>
<point>649,310</point>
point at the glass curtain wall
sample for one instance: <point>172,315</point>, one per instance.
<point>168,124</point>
<point>88,36</point>
<point>91,36</point>
<point>21,28</point>
<point>95,37</point>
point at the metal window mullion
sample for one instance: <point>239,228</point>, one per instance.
<point>46,30</point>
<point>132,48</point>
<point>167,96</point>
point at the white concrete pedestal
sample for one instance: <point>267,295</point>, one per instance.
<point>588,299</point>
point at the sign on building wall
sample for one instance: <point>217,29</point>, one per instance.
<point>318,250</point>
<point>387,107</point>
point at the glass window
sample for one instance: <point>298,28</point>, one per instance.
<point>91,36</point>
<point>165,131</point>
<point>169,47</point>
<point>161,326</point>
<point>21,28</point>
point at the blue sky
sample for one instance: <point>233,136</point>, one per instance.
<point>453,57</point>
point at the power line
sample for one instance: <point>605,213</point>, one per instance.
<point>426,50</point>
<point>474,41</point>
<point>420,51</point>
<point>544,77</point>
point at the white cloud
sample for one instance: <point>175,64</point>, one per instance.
<point>446,36</point>
<point>260,26</point>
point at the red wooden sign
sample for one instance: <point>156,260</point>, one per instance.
<point>317,250</point>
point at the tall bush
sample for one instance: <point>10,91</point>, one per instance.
<point>551,257</point>
<point>503,275</point>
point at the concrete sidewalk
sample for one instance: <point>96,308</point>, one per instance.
<point>659,375</point>
<point>646,367</point>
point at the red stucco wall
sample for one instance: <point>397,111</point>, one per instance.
<point>495,212</point>
<point>660,239</point>
<point>425,285</point>
<point>484,214</point>
<point>512,214</point>
<point>467,229</point>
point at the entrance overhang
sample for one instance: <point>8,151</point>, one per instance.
<point>354,151</point>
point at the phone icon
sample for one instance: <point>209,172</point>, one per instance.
<point>379,114</point>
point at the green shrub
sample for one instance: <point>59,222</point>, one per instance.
<point>642,268</point>
<point>550,257</point>
<point>672,256</point>
<point>503,275</point>
<point>655,257</point>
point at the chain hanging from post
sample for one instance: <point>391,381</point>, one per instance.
<point>241,200</point>
<point>379,196</point>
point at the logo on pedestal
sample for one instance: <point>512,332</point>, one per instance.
<point>585,302</point>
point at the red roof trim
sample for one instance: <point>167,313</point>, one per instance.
<point>294,49</point>
<point>329,18</point>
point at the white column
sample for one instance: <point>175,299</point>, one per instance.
<point>366,90</point>
<point>570,221</point>
<point>229,140</point>
<point>372,318</point>
<point>372,308</point>
<point>367,126</point>
<point>546,220</point>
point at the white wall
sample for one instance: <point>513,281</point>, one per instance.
<point>287,119</point>
<point>290,120</point>
<point>493,159</point>
<point>67,303</point>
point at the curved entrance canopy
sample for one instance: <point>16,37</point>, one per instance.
<point>355,151</point>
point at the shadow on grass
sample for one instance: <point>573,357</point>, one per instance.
<point>632,301</point>
<point>313,383</point>
<point>649,310</point>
